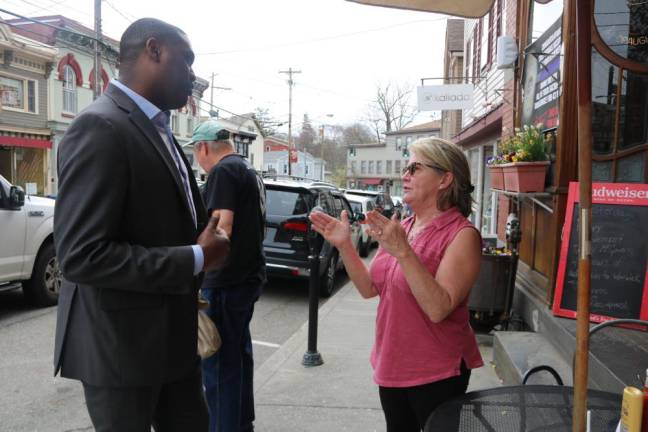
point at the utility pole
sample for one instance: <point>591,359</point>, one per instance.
<point>97,57</point>
<point>212,111</point>
<point>290,73</point>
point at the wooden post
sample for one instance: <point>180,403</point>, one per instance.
<point>584,74</point>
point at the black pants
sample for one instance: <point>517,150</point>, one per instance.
<point>408,408</point>
<point>170,407</point>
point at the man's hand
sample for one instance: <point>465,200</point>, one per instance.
<point>215,245</point>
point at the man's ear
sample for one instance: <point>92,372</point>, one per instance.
<point>153,49</point>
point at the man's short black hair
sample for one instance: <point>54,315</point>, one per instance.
<point>133,41</point>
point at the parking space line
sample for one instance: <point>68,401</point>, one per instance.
<point>266,344</point>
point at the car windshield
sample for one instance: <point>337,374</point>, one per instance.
<point>356,207</point>
<point>285,203</point>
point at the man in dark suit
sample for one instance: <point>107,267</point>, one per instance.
<point>126,229</point>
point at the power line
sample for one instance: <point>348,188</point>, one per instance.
<point>58,42</point>
<point>51,26</point>
<point>122,14</point>
<point>325,38</point>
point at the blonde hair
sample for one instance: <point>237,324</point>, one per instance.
<point>447,155</point>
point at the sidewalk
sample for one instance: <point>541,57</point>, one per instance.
<point>340,395</point>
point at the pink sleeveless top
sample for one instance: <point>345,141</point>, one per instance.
<point>410,349</point>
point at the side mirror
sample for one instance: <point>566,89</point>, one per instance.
<point>359,217</point>
<point>16,197</point>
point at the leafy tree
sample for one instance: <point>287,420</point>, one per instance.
<point>266,122</point>
<point>307,138</point>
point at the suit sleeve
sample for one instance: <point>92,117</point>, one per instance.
<point>90,207</point>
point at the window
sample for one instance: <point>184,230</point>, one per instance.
<point>241,146</point>
<point>378,167</point>
<point>371,167</point>
<point>468,64</point>
<point>399,143</point>
<point>190,127</point>
<point>18,94</point>
<point>397,167</point>
<point>475,52</point>
<point>353,167</point>
<point>619,139</point>
<point>388,169</point>
<point>484,41</point>
<point>352,151</point>
<point>408,141</point>
<point>285,168</point>
<point>270,167</point>
<point>306,169</point>
<point>174,122</point>
<point>363,167</point>
<point>69,90</point>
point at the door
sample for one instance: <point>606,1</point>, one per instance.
<point>12,237</point>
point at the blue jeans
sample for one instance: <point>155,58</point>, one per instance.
<point>227,375</point>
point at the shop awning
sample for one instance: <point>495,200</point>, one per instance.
<point>462,8</point>
<point>370,181</point>
<point>13,141</point>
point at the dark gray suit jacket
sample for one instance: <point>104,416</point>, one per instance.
<point>122,227</point>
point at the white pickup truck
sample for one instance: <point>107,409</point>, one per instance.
<point>27,253</point>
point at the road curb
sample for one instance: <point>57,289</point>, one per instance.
<point>297,341</point>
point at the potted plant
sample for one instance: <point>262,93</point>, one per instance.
<point>526,154</point>
<point>496,170</point>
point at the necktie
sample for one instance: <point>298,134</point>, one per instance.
<point>161,122</point>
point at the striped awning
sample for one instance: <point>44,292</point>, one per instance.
<point>461,8</point>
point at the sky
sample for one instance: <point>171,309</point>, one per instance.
<point>343,49</point>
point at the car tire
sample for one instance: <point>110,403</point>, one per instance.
<point>364,247</point>
<point>327,284</point>
<point>44,286</point>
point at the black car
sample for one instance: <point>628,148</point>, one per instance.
<point>382,201</point>
<point>288,231</point>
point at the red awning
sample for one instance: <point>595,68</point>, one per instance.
<point>370,181</point>
<point>25,142</point>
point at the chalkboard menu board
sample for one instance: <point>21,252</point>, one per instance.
<point>619,281</point>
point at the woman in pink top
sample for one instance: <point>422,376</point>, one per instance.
<point>423,272</point>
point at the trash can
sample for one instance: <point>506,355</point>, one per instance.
<point>490,298</point>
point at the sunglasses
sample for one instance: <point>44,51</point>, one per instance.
<point>415,166</point>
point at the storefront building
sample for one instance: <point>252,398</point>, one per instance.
<point>25,139</point>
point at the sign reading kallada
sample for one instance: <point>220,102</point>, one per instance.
<point>623,27</point>
<point>445,97</point>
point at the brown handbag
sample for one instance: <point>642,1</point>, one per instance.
<point>209,340</point>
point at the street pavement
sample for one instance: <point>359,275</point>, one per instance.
<point>340,394</point>
<point>337,396</point>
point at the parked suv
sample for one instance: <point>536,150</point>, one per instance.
<point>382,200</point>
<point>27,254</point>
<point>288,204</point>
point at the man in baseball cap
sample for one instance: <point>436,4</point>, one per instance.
<point>235,193</point>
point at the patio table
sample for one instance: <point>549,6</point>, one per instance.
<point>524,408</point>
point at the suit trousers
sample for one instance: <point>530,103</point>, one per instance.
<point>170,407</point>
<point>228,374</point>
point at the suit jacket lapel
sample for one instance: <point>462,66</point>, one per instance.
<point>146,126</point>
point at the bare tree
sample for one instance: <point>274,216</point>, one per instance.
<point>391,108</point>
<point>357,133</point>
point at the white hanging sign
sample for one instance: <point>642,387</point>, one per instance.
<point>445,97</point>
